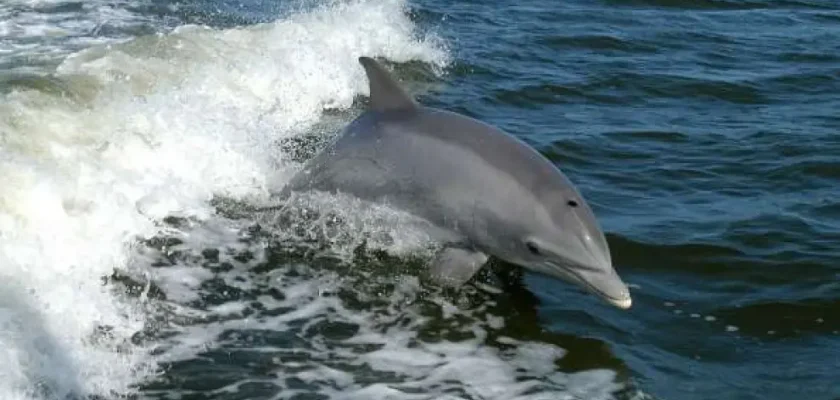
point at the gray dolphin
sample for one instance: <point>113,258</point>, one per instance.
<point>491,193</point>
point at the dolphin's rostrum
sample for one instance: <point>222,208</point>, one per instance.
<point>491,193</point>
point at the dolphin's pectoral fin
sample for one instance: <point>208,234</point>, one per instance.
<point>454,266</point>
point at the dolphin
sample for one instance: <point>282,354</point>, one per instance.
<point>489,192</point>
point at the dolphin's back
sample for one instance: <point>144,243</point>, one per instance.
<point>437,165</point>
<point>457,172</point>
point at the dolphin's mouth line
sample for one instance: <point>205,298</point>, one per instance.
<point>620,302</point>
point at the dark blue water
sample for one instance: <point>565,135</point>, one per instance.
<point>705,134</point>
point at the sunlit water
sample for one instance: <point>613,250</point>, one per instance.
<point>137,137</point>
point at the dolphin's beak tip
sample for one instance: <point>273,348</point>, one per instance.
<point>623,304</point>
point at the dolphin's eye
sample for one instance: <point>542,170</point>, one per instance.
<point>532,247</point>
<point>572,203</point>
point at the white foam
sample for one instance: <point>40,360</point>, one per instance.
<point>159,125</point>
<point>43,31</point>
<point>388,342</point>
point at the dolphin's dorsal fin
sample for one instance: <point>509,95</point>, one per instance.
<point>385,93</point>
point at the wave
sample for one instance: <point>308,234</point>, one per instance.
<point>752,258</point>
<point>34,34</point>
<point>597,43</point>
<point>726,4</point>
<point>627,88</point>
<point>776,320</point>
<point>121,136</point>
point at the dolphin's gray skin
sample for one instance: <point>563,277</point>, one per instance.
<point>490,192</point>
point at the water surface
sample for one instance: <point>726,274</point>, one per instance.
<point>135,135</point>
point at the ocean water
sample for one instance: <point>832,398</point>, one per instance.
<point>138,136</point>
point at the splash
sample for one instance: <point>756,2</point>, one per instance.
<point>123,135</point>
